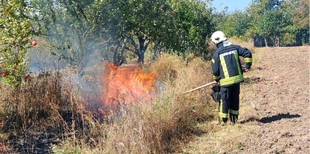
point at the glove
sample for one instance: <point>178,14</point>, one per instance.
<point>216,88</point>
<point>245,69</point>
<point>216,96</point>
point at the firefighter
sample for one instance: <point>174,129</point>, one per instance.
<point>228,73</point>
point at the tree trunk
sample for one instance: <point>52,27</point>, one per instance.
<point>275,41</point>
<point>141,51</point>
<point>118,57</point>
<point>141,57</point>
<point>266,44</point>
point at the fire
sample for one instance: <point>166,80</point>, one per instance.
<point>126,85</point>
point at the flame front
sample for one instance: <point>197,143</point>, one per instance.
<point>127,84</point>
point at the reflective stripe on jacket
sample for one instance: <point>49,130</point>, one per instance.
<point>226,66</point>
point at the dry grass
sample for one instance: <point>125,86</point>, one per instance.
<point>51,103</point>
<point>161,125</point>
<point>45,104</point>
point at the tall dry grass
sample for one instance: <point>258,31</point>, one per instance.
<point>51,103</point>
<point>45,107</point>
<point>160,125</point>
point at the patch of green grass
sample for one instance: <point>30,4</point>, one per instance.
<point>240,146</point>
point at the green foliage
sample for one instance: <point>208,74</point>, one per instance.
<point>15,35</point>
<point>299,11</point>
<point>177,26</point>
<point>79,28</point>
<point>236,24</point>
<point>271,22</point>
<point>278,22</point>
<point>193,24</point>
<point>288,38</point>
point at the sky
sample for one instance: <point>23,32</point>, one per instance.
<point>231,4</point>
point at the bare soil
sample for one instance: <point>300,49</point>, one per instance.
<point>274,111</point>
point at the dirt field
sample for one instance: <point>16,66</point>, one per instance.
<point>274,111</point>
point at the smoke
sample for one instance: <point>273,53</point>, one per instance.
<point>80,53</point>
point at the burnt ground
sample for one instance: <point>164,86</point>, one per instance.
<point>274,111</point>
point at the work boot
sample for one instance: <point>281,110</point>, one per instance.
<point>233,118</point>
<point>224,120</point>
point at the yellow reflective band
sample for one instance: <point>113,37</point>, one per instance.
<point>248,60</point>
<point>231,80</point>
<point>234,112</point>
<point>224,66</point>
<point>223,115</point>
<point>216,77</point>
<point>221,106</point>
<point>237,61</point>
<point>213,61</point>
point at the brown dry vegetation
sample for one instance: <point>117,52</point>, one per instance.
<point>34,116</point>
<point>48,110</point>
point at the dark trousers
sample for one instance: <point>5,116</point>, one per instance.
<point>229,102</point>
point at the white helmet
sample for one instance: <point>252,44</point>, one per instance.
<point>218,37</point>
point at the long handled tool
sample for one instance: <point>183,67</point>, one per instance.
<point>208,84</point>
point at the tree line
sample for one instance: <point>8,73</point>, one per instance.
<point>269,22</point>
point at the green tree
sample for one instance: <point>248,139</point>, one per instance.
<point>125,25</point>
<point>236,25</point>
<point>15,37</point>
<point>270,20</point>
<point>299,28</point>
<point>192,24</point>
<point>273,24</point>
<point>175,26</point>
<point>259,12</point>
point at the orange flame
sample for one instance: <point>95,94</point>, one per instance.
<point>127,84</point>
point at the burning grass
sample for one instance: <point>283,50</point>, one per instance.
<point>151,117</point>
